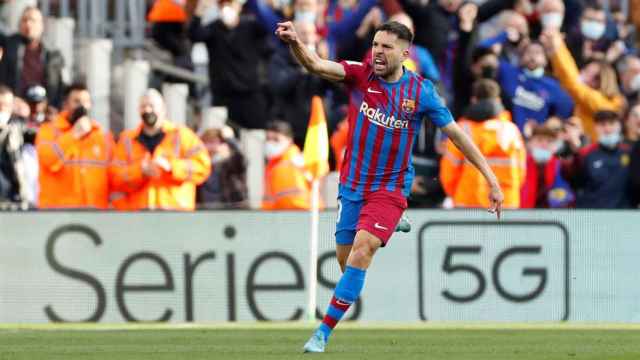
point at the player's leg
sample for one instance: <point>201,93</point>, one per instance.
<point>377,222</point>
<point>342,253</point>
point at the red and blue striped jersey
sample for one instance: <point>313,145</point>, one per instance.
<point>384,120</point>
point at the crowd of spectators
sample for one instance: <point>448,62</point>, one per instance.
<point>548,90</point>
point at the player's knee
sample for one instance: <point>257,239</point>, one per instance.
<point>361,255</point>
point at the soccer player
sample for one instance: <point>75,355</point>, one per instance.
<point>387,106</point>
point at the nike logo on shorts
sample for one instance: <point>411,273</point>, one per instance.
<point>379,227</point>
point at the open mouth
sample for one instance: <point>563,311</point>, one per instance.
<point>379,64</point>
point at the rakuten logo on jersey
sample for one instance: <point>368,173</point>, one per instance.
<point>380,118</point>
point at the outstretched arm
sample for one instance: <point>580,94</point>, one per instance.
<point>326,69</point>
<point>469,149</point>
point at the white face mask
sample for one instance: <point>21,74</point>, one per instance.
<point>635,83</point>
<point>552,20</point>
<point>273,149</point>
<point>592,30</point>
<point>305,16</point>
<point>540,155</point>
<point>610,141</point>
<point>4,118</point>
<point>229,16</point>
<point>536,73</point>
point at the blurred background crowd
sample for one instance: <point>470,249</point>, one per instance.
<point>548,90</point>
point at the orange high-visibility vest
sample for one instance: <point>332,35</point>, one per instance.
<point>73,172</point>
<point>501,143</point>
<point>173,190</point>
<point>286,186</point>
<point>168,11</point>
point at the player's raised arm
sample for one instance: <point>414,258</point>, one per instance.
<point>469,149</point>
<point>326,69</point>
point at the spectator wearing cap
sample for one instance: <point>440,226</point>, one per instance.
<point>36,100</point>
<point>26,61</point>
<point>236,44</point>
<point>535,97</point>
<point>158,164</point>
<point>544,186</point>
<point>600,172</point>
<point>499,141</point>
<point>285,183</point>
<point>226,187</point>
<point>593,88</point>
<point>74,152</point>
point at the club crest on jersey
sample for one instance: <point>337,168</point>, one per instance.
<point>381,118</point>
<point>408,105</point>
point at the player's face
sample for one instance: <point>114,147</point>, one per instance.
<point>388,53</point>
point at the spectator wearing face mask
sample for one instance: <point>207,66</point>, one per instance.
<point>292,86</point>
<point>544,186</point>
<point>600,172</point>
<point>550,16</point>
<point>588,41</point>
<point>499,141</point>
<point>593,88</point>
<point>13,181</point>
<point>157,165</point>
<point>74,153</point>
<point>535,97</point>
<point>26,61</point>
<point>285,184</point>
<point>511,40</point>
<point>236,45</point>
<point>226,187</point>
<point>36,99</point>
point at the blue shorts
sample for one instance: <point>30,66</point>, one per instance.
<point>378,213</point>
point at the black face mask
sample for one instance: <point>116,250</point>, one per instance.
<point>77,113</point>
<point>489,72</point>
<point>149,118</point>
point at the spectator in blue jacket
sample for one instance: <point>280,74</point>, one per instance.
<point>535,97</point>
<point>600,172</point>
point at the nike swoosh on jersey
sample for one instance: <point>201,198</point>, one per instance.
<point>373,91</point>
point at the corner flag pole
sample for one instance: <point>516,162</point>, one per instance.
<point>313,249</point>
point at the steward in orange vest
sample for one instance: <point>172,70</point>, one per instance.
<point>157,165</point>
<point>74,154</point>
<point>286,186</point>
<point>499,141</point>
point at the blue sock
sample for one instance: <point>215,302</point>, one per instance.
<point>346,293</point>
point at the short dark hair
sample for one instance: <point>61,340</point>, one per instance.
<point>485,89</point>
<point>398,29</point>
<point>280,127</point>
<point>480,52</point>
<point>76,86</point>
<point>593,5</point>
<point>606,115</point>
<point>4,90</point>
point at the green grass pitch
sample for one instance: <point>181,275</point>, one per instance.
<point>431,341</point>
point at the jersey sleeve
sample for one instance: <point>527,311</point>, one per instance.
<point>433,106</point>
<point>354,72</point>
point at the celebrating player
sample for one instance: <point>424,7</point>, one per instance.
<point>387,106</point>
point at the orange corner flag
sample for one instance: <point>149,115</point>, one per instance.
<point>316,142</point>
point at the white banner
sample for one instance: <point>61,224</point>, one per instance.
<point>228,266</point>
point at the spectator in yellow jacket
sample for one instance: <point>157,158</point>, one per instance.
<point>158,164</point>
<point>286,186</point>
<point>593,88</point>
<point>500,142</point>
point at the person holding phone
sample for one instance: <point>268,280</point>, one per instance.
<point>74,152</point>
